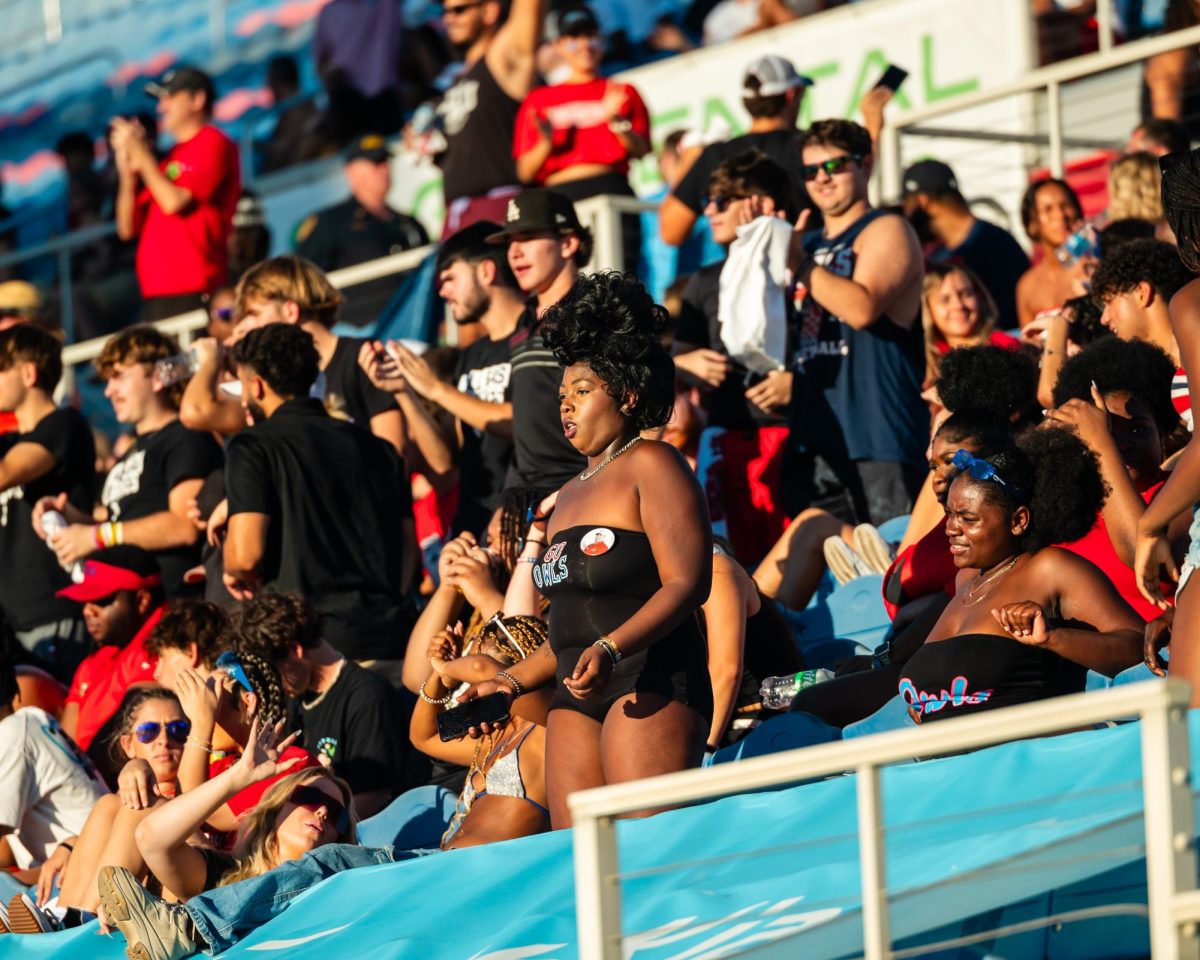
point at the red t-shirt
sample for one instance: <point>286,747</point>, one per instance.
<point>581,135</point>
<point>8,422</point>
<point>925,567</point>
<point>101,681</point>
<point>1097,547</point>
<point>997,338</point>
<point>188,252</point>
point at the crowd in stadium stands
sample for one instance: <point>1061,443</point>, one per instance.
<point>320,583</point>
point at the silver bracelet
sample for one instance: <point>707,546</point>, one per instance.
<point>605,644</point>
<point>518,690</point>
<point>428,699</point>
<point>534,560</point>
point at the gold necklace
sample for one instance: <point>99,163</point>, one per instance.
<point>971,600</point>
<point>588,474</point>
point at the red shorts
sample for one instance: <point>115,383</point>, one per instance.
<point>742,486</point>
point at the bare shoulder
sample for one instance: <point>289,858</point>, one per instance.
<point>658,460</point>
<point>892,229</point>
<point>1187,300</point>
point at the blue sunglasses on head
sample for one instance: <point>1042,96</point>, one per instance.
<point>229,662</point>
<point>980,469</point>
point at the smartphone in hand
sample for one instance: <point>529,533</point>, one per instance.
<point>453,724</point>
<point>892,77</point>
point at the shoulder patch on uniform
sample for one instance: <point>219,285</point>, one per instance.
<point>307,225</point>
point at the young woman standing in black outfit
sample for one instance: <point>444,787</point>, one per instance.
<point>628,562</point>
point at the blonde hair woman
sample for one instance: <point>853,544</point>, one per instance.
<point>1135,188</point>
<point>956,311</point>
<point>301,833</point>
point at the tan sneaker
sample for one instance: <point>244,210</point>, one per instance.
<point>155,930</point>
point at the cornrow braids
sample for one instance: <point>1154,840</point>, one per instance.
<point>524,635</point>
<point>267,686</point>
<point>134,700</point>
<point>515,508</point>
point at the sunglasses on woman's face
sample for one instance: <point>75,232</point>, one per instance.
<point>177,731</point>
<point>832,167</point>
<point>314,797</point>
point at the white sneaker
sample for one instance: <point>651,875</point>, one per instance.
<point>872,548</point>
<point>843,561</point>
<point>24,916</point>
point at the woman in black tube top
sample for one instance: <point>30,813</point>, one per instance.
<point>628,560</point>
<point>1027,620</point>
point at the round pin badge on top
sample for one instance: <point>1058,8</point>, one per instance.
<point>598,540</point>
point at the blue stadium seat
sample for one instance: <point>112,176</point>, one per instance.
<point>853,612</point>
<point>787,731</point>
<point>415,820</point>
<point>893,530</point>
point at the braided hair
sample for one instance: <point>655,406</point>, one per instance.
<point>516,506</point>
<point>515,638</point>
<point>1181,204</point>
<point>267,687</point>
<point>134,700</point>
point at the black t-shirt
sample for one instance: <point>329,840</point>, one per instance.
<point>348,391</point>
<point>217,863</point>
<point>356,726</point>
<point>997,259</point>
<point>484,370</point>
<point>699,325</point>
<point>542,455</point>
<point>141,482</point>
<point>29,572</point>
<point>478,119</point>
<point>336,497</point>
<point>782,146</point>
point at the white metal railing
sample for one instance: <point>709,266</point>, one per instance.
<point>1161,706</point>
<point>1049,79</point>
<point>602,215</point>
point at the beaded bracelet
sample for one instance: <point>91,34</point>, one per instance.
<point>518,690</point>
<point>430,700</point>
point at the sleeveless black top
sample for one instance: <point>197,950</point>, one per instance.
<point>478,119</point>
<point>596,578</point>
<point>981,671</point>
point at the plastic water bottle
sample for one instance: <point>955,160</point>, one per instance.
<point>177,369</point>
<point>778,692</point>
<point>1082,243</point>
<point>52,523</point>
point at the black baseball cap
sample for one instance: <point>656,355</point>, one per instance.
<point>370,146</point>
<point>576,20</point>
<point>536,211</point>
<point>929,176</point>
<point>183,78</point>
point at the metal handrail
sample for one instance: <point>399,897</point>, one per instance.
<point>1166,782</point>
<point>1049,78</point>
<point>183,325</point>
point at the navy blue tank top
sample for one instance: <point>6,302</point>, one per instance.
<point>857,393</point>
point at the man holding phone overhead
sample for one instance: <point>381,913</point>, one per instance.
<point>772,92</point>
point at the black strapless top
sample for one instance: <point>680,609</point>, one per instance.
<point>982,671</point>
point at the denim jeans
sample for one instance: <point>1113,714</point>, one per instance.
<point>224,915</point>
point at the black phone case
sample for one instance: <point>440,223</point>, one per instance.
<point>454,723</point>
<point>892,77</point>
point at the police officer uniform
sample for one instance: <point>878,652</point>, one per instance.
<point>347,233</point>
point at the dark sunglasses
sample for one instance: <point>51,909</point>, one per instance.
<point>224,314</point>
<point>721,203</point>
<point>980,469</point>
<point>459,8</point>
<point>229,662</point>
<point>313,797</point>
<point>832,167</point>
<point>177,731</point>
